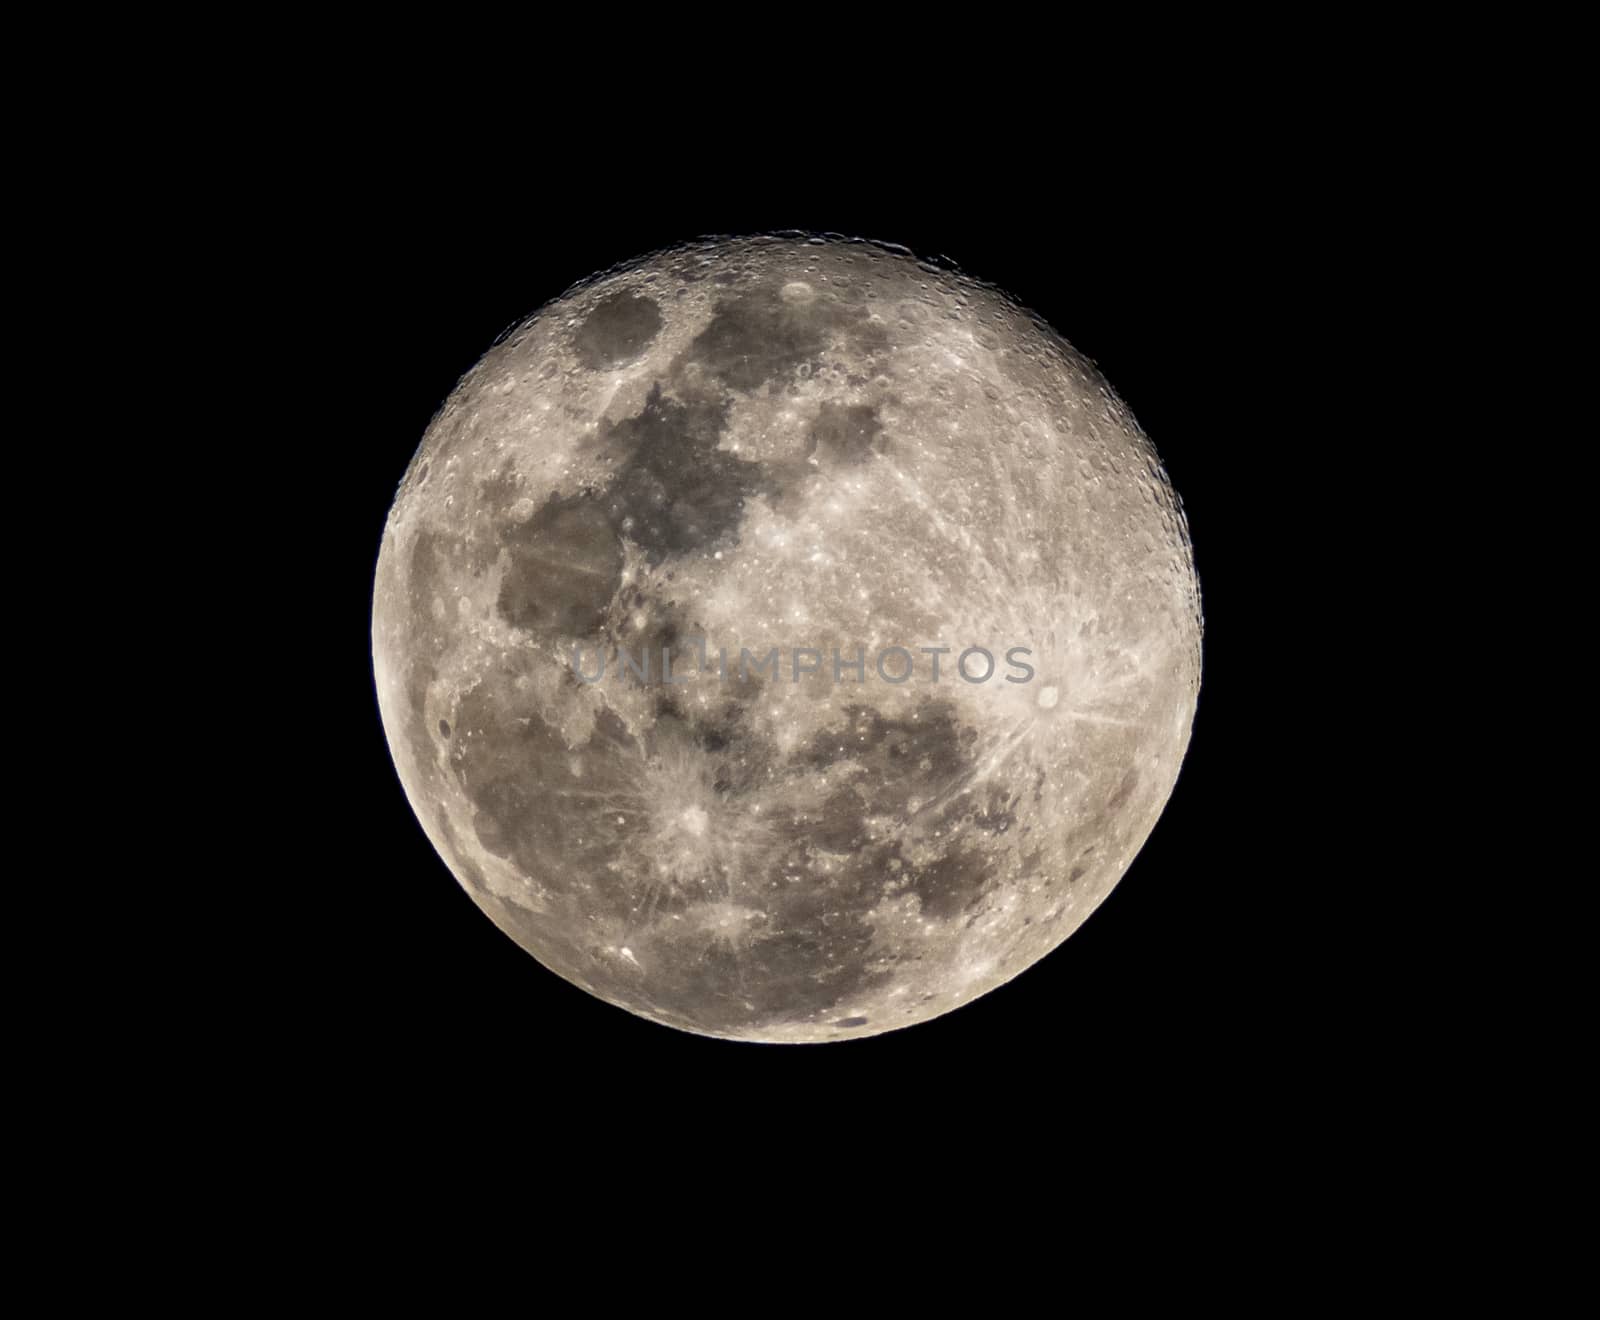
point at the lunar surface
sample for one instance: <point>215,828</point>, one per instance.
<point>786,640</point>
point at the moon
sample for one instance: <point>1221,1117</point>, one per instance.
<point>784,639</point>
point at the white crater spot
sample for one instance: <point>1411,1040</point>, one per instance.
<point>1049,697</point>
<point>797,291</point>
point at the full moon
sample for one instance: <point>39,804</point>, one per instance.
<point>784,639</point>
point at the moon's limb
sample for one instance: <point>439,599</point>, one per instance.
<point>774,442</point>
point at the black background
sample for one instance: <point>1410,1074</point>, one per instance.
<point>1192,996</point>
